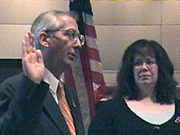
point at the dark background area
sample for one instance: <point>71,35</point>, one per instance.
<point>9,67</point>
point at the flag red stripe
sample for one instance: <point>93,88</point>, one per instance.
<point>97,77</point>
<point>69,78</point>
<point>90,31</point>
<point>99,93</point>
<point>94,54</point>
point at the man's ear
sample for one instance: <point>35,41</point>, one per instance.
<point>43,39</point>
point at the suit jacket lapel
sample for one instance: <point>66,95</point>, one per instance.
<point>54,112</point>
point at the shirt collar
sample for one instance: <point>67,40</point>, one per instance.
<point>51,80</point>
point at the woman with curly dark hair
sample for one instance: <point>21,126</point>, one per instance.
<point>146,100</point>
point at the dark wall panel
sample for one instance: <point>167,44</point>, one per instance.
<point>9,67</point>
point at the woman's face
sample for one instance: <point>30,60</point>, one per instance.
<point>145,71</point>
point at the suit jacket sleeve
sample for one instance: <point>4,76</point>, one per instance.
<point>21,105</point>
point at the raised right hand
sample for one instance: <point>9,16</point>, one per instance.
<point>32,59</point>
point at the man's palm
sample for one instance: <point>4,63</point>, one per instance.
<point>32,59</point>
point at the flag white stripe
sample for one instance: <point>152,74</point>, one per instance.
<point>95,66</point>
<point>91,42</point>
<point>88,19</point>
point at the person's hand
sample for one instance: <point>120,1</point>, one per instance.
<point>32,59</point>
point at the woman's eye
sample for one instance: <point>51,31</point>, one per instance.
<point>137,63</point>
<point>150,62</point>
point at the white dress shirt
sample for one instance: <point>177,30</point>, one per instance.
<point>50,79</point>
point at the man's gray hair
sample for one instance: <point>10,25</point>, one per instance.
<point>48,21</point>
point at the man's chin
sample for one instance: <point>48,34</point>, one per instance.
<point>69,63</point>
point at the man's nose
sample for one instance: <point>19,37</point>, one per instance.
<point>77,43</point>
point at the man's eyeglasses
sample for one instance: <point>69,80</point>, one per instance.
<point>149,63</point>
<point>71,34</point>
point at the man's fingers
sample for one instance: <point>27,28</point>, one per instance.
<point>39,56</point>
<point>29,43</point>
<point>24,50</point>
<point>31,39</point>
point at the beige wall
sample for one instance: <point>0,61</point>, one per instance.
<point>118,23</point>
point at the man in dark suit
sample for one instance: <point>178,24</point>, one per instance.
<point>29,101</point>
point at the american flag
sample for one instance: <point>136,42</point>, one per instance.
<point>85,76</point>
